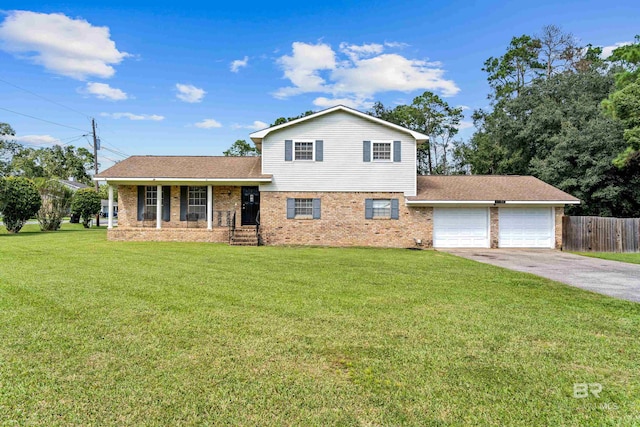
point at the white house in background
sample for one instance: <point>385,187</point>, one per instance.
<point>338,177</point>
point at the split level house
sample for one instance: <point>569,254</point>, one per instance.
<point>338,177</point>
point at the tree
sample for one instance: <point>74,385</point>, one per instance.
<point>511,72</point>
<point>20,201</point>
<point>8,148</point>
<point>56,200</point>
<point>86,203</point>
<point>431,115</point>
<point>558,50</point>
<point>624,103</point>
<point>53,162</point>
<point>242,148</point>
<point>281,120</point>
<point>103,192</point>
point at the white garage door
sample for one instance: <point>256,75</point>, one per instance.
<point>461,228</point>
<point>526,228</point>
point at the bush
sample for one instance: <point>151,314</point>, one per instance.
<point>19,202</point>
<point>86,203</point>
<point>56,200</point>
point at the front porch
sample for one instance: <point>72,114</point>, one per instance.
<point>196,213</point>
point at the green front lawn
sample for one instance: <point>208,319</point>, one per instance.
<point>121,333</point>
<point>633,258</point>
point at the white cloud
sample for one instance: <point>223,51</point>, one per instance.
<point>355,74</point>
<point>37,140</point>
<point>325,102</point>
<point>208,124</point>
<point>189,93</point>
<point>256,125</point>
<point>239,63</point>
<point>131,116</point>
<point>66,46</point>
<point>465,125</point>
<point>104,91</point>
<point>398,45</point>
<point>464,107</point>
<point>608,50</point>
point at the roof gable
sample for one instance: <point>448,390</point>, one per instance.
<point>258,136</point>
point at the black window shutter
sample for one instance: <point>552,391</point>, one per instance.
<point>395,209</point>
<point>288,150</point>
<point>141,202</point>
<point>184,200</point>
<point>319,149</point>
<point>166,203</point>
<point>397,147</point>
<point>366,151</point>
<point>368,208</point>
<point>291,208</point>
<point>316,208</point>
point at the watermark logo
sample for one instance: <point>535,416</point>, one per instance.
<point>583,390</point>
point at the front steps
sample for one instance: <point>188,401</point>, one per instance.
<point>244,236</point>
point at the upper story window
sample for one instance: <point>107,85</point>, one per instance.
<point>381,151</point>
<point>303,150</point>
<point>198,201</point>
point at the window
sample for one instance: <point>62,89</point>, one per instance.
<point>151,198</point>
<point>303,207</point>
<point>382,208</point>
<point>198,201</point>
<point>303,151</point>
<point>382,151</point>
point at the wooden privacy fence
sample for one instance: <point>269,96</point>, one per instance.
<point>598,234</point>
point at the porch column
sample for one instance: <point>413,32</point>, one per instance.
<point>159,208</point>
<point>209,207</point>
<point>110,207</point>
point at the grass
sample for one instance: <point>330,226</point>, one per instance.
<point>120,333</point>
<point>633,258</point>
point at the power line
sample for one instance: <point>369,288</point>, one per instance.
<point>43,120</point>
<point>115,152</point>
<point>46,99</point>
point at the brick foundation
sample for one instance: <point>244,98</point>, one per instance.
<point>343,222</point>
<point>219,234</point>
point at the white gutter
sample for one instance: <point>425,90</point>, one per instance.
<point>183,179</point>
<point>492,202</point>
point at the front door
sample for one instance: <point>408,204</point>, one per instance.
<point>250,205</point>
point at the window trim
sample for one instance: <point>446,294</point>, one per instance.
<point>199,188</point>
<point>373,209</point>
<point>295,208</point>
<point>382,141</point>
<point>152,189</point>
<point>313,150</point>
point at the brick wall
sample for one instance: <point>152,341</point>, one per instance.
<point>343,222</point>
<point>218,234</point>
<point>559,213</point>
<point>494,227</point>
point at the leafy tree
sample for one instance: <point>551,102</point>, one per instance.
<point>281,120</point>
<point>431,115</point>
<point>242,148</point>
<point>624,103</point>
<point>20,201</point>
<point>86,203</point>
<point>53,162</point>
<point>511,72</point>
<point>103,192</point>
<point>8,148</point>
<point>56,200</point>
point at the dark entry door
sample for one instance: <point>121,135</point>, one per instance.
<point>250,205</point>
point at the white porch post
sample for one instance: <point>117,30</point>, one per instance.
<point>110,207</point>
<point>159,208</point>
<point>209,207</point>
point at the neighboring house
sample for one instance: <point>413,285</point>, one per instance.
<point>72,184</point>
<point>104,208</point>
<point>338,177</point>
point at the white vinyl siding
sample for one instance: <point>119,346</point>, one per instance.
<point>342,168</point>
<point>526,228</point>
<point>461,227</point>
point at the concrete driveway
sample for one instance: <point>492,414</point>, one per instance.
<point>613,278</point>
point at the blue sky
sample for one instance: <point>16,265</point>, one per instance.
<point>160,78</point>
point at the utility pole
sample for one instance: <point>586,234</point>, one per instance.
<point>95,163</point>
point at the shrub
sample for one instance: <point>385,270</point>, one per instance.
<point>86,203</point>
<point>56,200</point>
<point>20,201</point>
